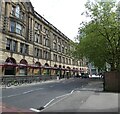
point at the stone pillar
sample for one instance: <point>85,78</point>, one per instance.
<point>17,71</point>
<point>32,25</point>
<point>2,69</point>
<point>30,71</point>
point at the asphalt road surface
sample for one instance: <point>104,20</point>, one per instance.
<point>39,95</point>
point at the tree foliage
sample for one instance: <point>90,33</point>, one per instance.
<point>99,39</point>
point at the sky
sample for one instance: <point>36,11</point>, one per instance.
<point>65,15</point>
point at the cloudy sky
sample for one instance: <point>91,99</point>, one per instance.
<point>63,14</point>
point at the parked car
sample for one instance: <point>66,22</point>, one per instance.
<point>94,76</point>
<point>84,75</point>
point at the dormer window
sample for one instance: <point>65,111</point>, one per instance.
<point>17,11</point>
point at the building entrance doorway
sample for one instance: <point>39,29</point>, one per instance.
<point>10,66</point>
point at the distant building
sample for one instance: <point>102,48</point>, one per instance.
<point>28,39</point>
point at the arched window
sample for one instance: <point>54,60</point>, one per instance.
<point>17,11</point>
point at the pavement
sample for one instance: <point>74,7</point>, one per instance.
<point>96,102</point>
<point>90,98</point>
<point>87,99</point>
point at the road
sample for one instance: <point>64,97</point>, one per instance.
<point>43,94</point>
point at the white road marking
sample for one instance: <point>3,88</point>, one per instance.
<point>72,91</point>
<point>53,103</point>
<point>26,92</point>
<point>35,110</point>
<point>11,95</point>
<point>64,96</point>
<point>49,103</point>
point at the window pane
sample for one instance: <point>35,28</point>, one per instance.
<point>13,10</point>
<point>21,48</point>
<point>17,12</point>
<point>40,39</point>
<point>14,46</point>
<point>26,49</point>
<point>12,26</point>
<point>18,28</point>
<point>8,44</point>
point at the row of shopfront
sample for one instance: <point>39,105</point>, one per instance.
<point>10,67</point>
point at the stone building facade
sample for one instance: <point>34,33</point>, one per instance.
<point>28,39</point>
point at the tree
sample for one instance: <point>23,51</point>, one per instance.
<point>99,39</point>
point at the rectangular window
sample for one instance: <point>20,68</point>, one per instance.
<point>37,40</point>
<point>18,28</point>
<point>13,10</point>
<point>66,50</point>
<point>46,31</point>
<point>73,62</point>
<point>36,37</point>
<point>40,39</point>
<point>22,15</point>
<point>11,45</point>
<point>70,61</point>
<point>40,53</point>
<point>17,11</point>
<point>54,46</point>
<point>59,48</point>
<point>8,44</point>
<point>45,54</point>
<point>60,59</point>
<point>63,59</point>
<point>62,49</point>
<point>12,26</point>
<point>36,52</point>
<point>23,31</point>
<point>66,60</point>
<point>46,42</point>
<point>14,46</point>
<point>40,28</point>
<point>26,49</point>
<point>21,47</point>
<point>36,25</point>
